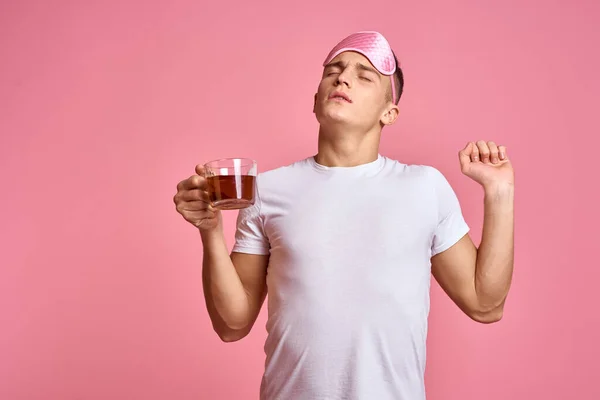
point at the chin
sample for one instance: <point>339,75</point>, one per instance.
<point>329,116</point>
<point>333,121</point>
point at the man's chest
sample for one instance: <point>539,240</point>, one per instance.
<point>331,243</point>
<point>350,222</point>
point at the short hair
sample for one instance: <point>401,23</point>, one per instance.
<point>398,82</point>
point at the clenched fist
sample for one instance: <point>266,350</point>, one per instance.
<point>486,163</point>
<point>193,203</point>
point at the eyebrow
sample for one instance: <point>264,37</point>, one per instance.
<point>338,64</point>
<point>367,68</point>
<point>363,67</point>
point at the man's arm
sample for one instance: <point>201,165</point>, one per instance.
<point>478,280</point>
<point>234,287</point>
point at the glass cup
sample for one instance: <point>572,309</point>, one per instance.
<point>231,182</point>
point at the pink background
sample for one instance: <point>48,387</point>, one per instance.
<point>105,107</point>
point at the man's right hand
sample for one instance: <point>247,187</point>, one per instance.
<point>193,203</point>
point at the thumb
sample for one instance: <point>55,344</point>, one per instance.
<point>200,170</point>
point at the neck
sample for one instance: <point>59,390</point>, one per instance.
<point>346,148</point>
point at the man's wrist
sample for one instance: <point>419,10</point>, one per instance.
<point>497,190</point>
<point>499,195</point>
<point>212,235</point>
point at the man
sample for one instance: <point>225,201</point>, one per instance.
<point>346,242</point>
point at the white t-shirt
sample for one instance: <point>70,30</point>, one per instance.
<point>349,275</point>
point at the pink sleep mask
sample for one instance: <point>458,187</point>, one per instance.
<point>372,45</point>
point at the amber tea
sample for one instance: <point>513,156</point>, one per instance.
<point>229,192</point>
<point>231,183</point>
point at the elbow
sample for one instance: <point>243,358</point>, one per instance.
<point>230,330</point>
<point>229,335</point>
<point>488,316</point>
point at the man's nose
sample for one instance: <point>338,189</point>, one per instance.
<point>344,78</point>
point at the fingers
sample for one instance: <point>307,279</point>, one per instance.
<point>484,151</point>
<point>493,152</point>
<point>193,195</point>
<point>192,201</point>
<point>193,182</point>
<point>194,211</point>
<point>475,157</point>
<point>197,181</point>
<point>192,207</point>
<point>200,170</point>
<point>468,149</point>
<point>190,197</point>
<point>195,214</point>
<point>502,152</point>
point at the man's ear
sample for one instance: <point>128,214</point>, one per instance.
<point>315,104</point>
<point>390,116</point>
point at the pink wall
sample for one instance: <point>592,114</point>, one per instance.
<point>105,107</point>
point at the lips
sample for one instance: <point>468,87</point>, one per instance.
<point>339,96</point>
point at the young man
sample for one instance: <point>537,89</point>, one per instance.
<point>346,242</point>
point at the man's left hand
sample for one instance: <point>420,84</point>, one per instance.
<point>487,164</point>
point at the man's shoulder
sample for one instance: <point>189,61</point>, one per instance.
<point>424,171</point>
<point>284,172</point>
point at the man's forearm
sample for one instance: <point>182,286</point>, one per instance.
<point>495,255</point>
<point>226,298</point>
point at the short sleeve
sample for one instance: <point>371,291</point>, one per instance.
<point>451,225</point>
<point>250,236</point>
